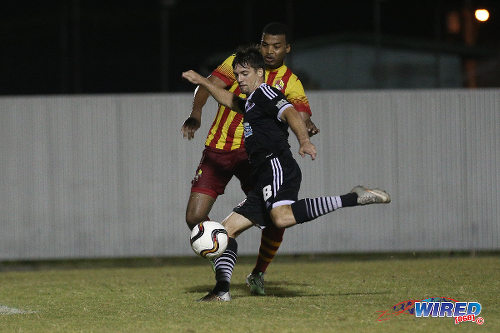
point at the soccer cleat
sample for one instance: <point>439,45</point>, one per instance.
<point>220,297</point>
<point>368,196</point>
<point>256,283</point>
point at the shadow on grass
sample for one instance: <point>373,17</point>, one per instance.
<point>279,289</point>
<point>243,286</point>
<point>191,260</point>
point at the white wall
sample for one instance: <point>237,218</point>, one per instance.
<point>109,176</point>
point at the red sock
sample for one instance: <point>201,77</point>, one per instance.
<point>269,244</point>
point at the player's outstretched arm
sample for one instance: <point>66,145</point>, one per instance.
<point>221,95</point>
<point>292,117</point>
<point>201,94</point>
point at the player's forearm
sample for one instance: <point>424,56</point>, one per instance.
<point>310,126</point>
<point>200,99</point>
<point>222,96</point>
<point>304,116</point>
<point>201,95</point>
<point>297,125</point>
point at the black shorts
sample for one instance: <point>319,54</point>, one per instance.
<point>277,183</point>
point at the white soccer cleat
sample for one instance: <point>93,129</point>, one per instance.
<point>220,297</point>
<point>368,196</point>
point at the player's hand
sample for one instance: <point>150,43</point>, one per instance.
<point>311,127</point>
<point>309,149</point>
<point>189,127</point>
<point>193,77</point>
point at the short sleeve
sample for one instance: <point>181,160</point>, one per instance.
<point>225,71</point>
<point>295,94</point>
<point>274,100</point>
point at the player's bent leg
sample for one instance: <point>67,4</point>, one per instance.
<point>198,208</point>
<point>308,209</point>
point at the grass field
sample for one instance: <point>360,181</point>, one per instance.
<point>308,294</point>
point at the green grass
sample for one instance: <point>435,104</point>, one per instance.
<point>305,295</point>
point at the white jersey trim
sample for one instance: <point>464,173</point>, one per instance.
<point>266,89</point>
<point>282,203</point>
<point>283,108</point>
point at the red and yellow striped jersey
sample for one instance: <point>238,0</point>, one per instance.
<point>226,132</point>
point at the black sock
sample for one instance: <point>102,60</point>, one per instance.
<point>349,199</point>
<point>224,266</point>
<point>308,209</point>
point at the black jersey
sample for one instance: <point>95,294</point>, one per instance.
<point>264,131</point>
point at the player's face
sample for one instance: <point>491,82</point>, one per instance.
<point>248,78</point>
<point>274,49</point>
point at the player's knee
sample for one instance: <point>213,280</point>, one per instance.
<point>282,217</point>
<point>232,233</point>
<point>198,208</point>
<point>232,229</point>
<point>280,222</point>
<point>193,219</point>
<point>235,224</point>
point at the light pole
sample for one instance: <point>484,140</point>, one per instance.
<point>472,20</point>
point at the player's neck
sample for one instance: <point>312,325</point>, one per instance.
<point>275,68</point>
<point>256,85</point>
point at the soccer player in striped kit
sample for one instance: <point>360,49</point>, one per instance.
<point>274,198</point>
<point>225,156</point>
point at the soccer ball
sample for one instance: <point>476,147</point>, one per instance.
<point>209,239</point>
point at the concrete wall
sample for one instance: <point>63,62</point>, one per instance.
<point>109,176</point>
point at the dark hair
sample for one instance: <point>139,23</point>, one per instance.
<point>249,56</point>
<point>277,28</point>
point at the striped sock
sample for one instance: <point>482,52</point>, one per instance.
<point>308,209</point>
<point>269,244</point>
<point>224,266</point>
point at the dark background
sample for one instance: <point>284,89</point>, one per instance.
<point>108,46</point>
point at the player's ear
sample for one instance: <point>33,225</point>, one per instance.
<point>288,48</point>
<point>260,72</point>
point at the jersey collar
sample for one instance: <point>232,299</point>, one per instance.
<point>262,84</point>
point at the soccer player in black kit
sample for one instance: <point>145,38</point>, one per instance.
<point>276,174</point>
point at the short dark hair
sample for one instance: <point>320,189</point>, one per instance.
<point>277,28</point>
<point>249,56</point>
